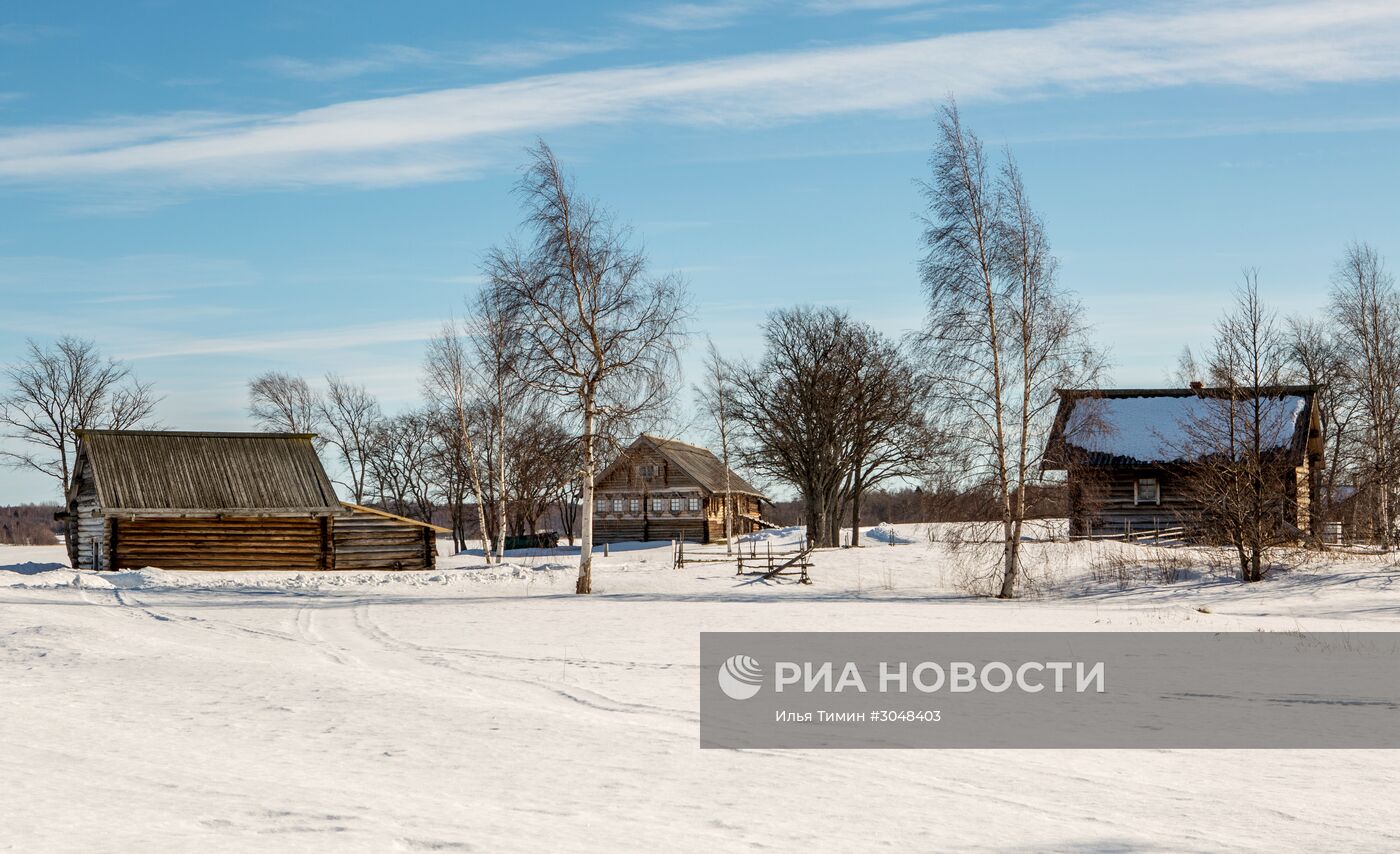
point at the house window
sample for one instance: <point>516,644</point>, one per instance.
<point>657,505</point>
<point>1145,491</point>
<point>694,504</point>
<point>675,505</point>
<point>617,505</point>
<point>646,471</point>
<point>636,505</point>
<point>601,505</point>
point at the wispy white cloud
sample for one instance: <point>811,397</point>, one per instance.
<point>451,133</point>
<point>678,17</point>
<point>283,341</point>
<point>836,7</point>
<point>383,59</point>
<point>378,60</point>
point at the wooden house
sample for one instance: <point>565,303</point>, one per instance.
<point>224,501</point>
<point>1129,454</point>
<point>661,489</point>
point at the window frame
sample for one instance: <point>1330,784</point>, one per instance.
<point>692,504</point>
<point>1156,499</point>
<point>600,505</point>
<point>676,504</point>
<point>658,505</point>
<point>635,505</point>
<point>617,505</point>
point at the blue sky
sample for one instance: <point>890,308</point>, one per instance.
<point>215,190</point>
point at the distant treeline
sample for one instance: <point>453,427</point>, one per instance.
<point>30,525</point>
<point>921,504</point>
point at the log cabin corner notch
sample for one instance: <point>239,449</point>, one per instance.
<point>662,489</point>
<point>1128,453</point>
<point>224,501</point>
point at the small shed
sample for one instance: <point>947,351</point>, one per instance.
<point>223,501</point>
<point>372,539</point>
<point>662,489</point>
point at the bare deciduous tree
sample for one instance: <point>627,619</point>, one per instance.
<point>541,459</point>
<point>1317,358</point>
<point>281,402</point>
<point>1366,310</point>
<point>891,435</point>
<point>448,383</point>
<point>349,413</point>
<point>595,329</point>
<point>833,409</point>
<point>56,391</point>
<point>1001,334</point>
<point>716,398</point>
<point>793,412</point>
<point>1240,435</point>
<point>399,464</point>
<point>495,344</point>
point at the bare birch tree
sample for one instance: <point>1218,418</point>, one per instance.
<point>58,390</point>
<point>1239,438</point>
<point>596,330</point>
<point>279,402</point>
<point>448,382</point>
<point>1001,334</point>
<point>1366,309</point>
<point>716,398</point>
<point>1317,358</point>
<point>494,336</point>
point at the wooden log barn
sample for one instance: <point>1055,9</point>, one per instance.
<point>662,489</point>
<point>1129,454</point>
<point>225,501</point>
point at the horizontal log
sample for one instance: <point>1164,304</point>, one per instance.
<point>406,566</point>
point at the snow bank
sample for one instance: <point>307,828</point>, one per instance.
<point>151,578</point>
<point>18,577</point>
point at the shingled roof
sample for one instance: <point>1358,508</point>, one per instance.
<point>203,473</point>
<point>699,463</point>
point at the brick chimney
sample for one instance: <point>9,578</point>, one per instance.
<point>1197,385</point>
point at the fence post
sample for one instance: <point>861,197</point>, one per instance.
<point>605,548</point>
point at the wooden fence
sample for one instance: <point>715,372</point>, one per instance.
<point>765,563</point>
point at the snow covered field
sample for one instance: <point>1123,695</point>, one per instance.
<point>491,709</point>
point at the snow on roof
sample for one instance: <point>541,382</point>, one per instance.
<point>1152,429</point>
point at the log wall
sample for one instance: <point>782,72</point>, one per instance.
<point>367,541</point>
<point>222,544</point>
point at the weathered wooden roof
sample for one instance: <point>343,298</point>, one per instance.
<point>706,468</point>
<point>202,473</point>
<point>1150,426</point>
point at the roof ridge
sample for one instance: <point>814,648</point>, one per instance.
<point>666,441</point>
<point>1179,391</point>
<point>236,434</point>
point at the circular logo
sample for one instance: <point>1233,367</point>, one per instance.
<point>740,677</point>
